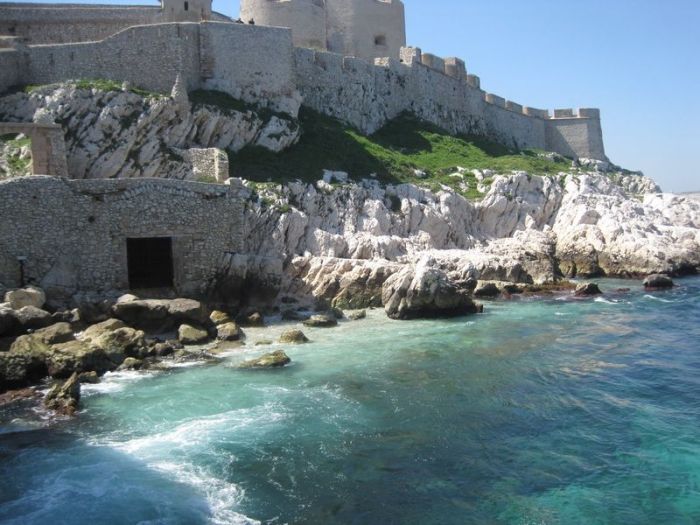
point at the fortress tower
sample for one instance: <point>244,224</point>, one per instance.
<point>362,28</point>
<point>186,10</point>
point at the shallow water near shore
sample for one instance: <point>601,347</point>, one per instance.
<point>540,411</point>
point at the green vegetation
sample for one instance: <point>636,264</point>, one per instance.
<point>11,151</point>
<point>392,155</point>
<point>227,104</point>
<point>99,84</point>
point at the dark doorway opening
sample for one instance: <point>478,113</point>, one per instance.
<point>150,262</point>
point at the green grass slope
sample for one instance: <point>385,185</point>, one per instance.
<point>392,154</point>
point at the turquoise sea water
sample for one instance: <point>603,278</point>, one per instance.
<point>537,412</point>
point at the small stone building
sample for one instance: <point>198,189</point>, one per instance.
<point>70,236</point>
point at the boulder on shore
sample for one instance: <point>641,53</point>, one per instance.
<point>587,290</point>
<point>28,296</point>
<point>272,360</point>
<point>32,318</point>
<point>55,334</point>
<point>425,292</point>
<point>161,314</point>
<point>189,335</point>
<point>658,281</point>
<point>218,317</point>
<point>64,398</point>
<point>293,337</point>
<point>489,290</point>
<point>321,321</point>
<point>229,332</point>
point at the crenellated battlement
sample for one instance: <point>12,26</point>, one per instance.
<point>455,68</point>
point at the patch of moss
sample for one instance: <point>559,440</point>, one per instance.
<point>99,84</point>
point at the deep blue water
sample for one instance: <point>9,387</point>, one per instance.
<point>538,412</point>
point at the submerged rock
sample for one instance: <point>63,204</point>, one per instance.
<point>587,290</point>
<point>272,360</point>
<point>321,321</point>
<point>357,315</point>
<point>658,282</point>
<point>64,398</point>
<point>293,337</point>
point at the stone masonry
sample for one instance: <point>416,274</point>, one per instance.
<point>73,233</point>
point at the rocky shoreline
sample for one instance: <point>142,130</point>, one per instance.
<point>60,351</point>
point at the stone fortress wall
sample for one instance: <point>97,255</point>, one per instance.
<point>67,23</point>
<point>361,28</point>
<point>440,91</point>
<point>261,65</point>
<point>151,57</point>
<point>73,233</point>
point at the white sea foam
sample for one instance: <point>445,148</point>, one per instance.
<point>168,452</point>
<point>113,382</point>
<point>221,496</point>
<point>656,298</point>
<point>605,301</point>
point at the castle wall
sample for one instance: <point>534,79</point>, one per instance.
<point>147,56</point>
<point>367,96</point>
<point>214,55</point>
<point>255,64</point>
<point>9,69</point>
<point>52,24</point>
<point>74,233</point>
<point>306,18</point>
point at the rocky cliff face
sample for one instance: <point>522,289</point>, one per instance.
<point>120,133</point>
<point>340,242</point>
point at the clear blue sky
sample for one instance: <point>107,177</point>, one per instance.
<point>637,60</point>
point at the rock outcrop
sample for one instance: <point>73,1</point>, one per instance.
<point>658,282</point>
<point>120,133</point>
<point>426,292</point>
<point>64,398</point>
